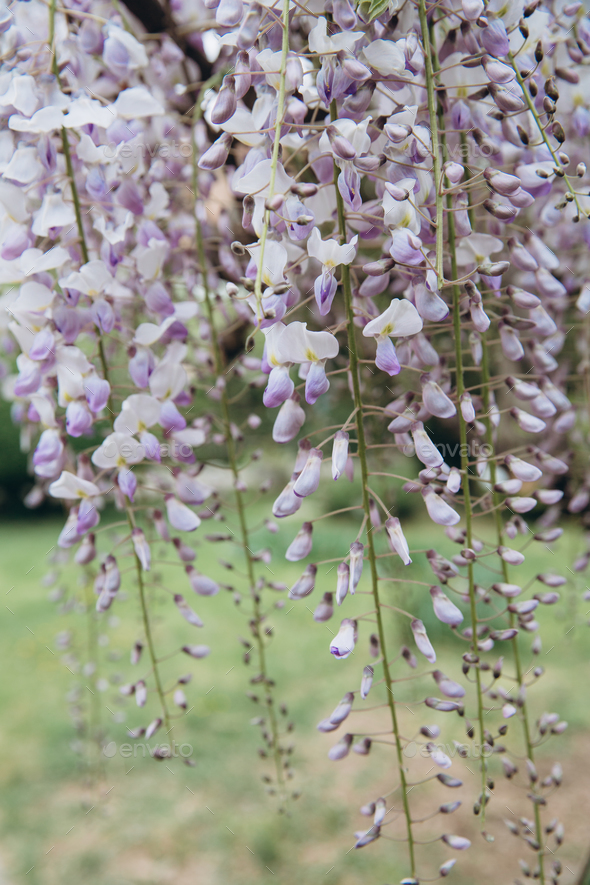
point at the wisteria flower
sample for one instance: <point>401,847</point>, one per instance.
<point>400,320</point>
<point>331,254</point>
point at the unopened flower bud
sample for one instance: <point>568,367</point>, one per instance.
<point>305,584</point>
<point>343,581</point>
<point>301,545</point>
<point>366,681</point>
<point>397,540</point>
<point>339,454</point>
<point>342,645</point>
<point>325,609</point>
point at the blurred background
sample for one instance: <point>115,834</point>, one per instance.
<point>70,812</point>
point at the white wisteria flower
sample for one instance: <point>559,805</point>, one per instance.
<point>296,344</point>
<point>322,44</point>
<point>70,486</point>
<point>400,320</point>
<point>331,254</point>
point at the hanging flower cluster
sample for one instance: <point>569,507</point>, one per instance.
<point>203,225</point>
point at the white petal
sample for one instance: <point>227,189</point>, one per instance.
<point>71,486</point>
<point>136,102</point>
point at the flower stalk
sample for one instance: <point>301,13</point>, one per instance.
<point>363,462</point>
<point>233,464</point>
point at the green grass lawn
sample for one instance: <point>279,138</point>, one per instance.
<point>68,813</point>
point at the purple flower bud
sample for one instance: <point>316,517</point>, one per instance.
<point>522,469</point>
<point>426,451</point>
<point>316,383</point>
<point>422,641</point>
<point>140,693</point>
<point>196,651</point>
<point>216,156</point>
<point>86,552</point>
<point>366,681</point>
<point>305,584</point>
<point>289,421</point>
<point>552,580</point>
<point>343,709</point>
<point>225,104</point>
<point>512,557</point>
<point>357,552</point>
<point>301,545</point>
<point>436,401</point>
<point>242,75</point>
<point>429,304</point>
<point>288,502</point>
<point>341,749</point>
<point>88,516</point>
<point>343,580</point>
<point>495,39</point>
<point>186,611</point>
<point>449,688</point>
<point>397,540</point>
<point>458,843</point>
<point>97,393</point>
<point>43,345</point>
<point>339,454</point>
<point>201,584</point>
<point>472,9</point>
<point>279,388</point>
<point>186,553</point>
<point>142,548</point>
<point>442,706</point>
<point>229,13</point>
<point>127,482</point>
<point>342,645</point>
<point>503,635</point>
<point>438,510</point>
<point>325,609</point>
<point>78,418</point>
<point>354,69</point>
<point>526,422</point>
<point>521,505</point>
<point>326,726</point>
<point>509,591</point>
<point>180,516</point>
<point>445,610</point>
<point>141,366</point>
<point>309,479</point>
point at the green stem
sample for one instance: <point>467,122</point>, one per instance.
<point>148,629</point>
<point>233,462</point>
<point>460,383</point>
<point>496,501</point>
<point>94,737</point>
<point>467,500</point>
<point>362,457</point>
<point>436,157</point>
<point>275,155</point>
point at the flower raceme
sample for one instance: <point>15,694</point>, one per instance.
<point>416,176</point>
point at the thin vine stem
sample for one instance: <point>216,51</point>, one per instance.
<point>362,456</point>
<point>496,500</point>
<point>460,382</point>
<point>434,127</point>
<point>235,469</point>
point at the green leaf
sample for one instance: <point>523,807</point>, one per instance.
<point>371,9</point>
